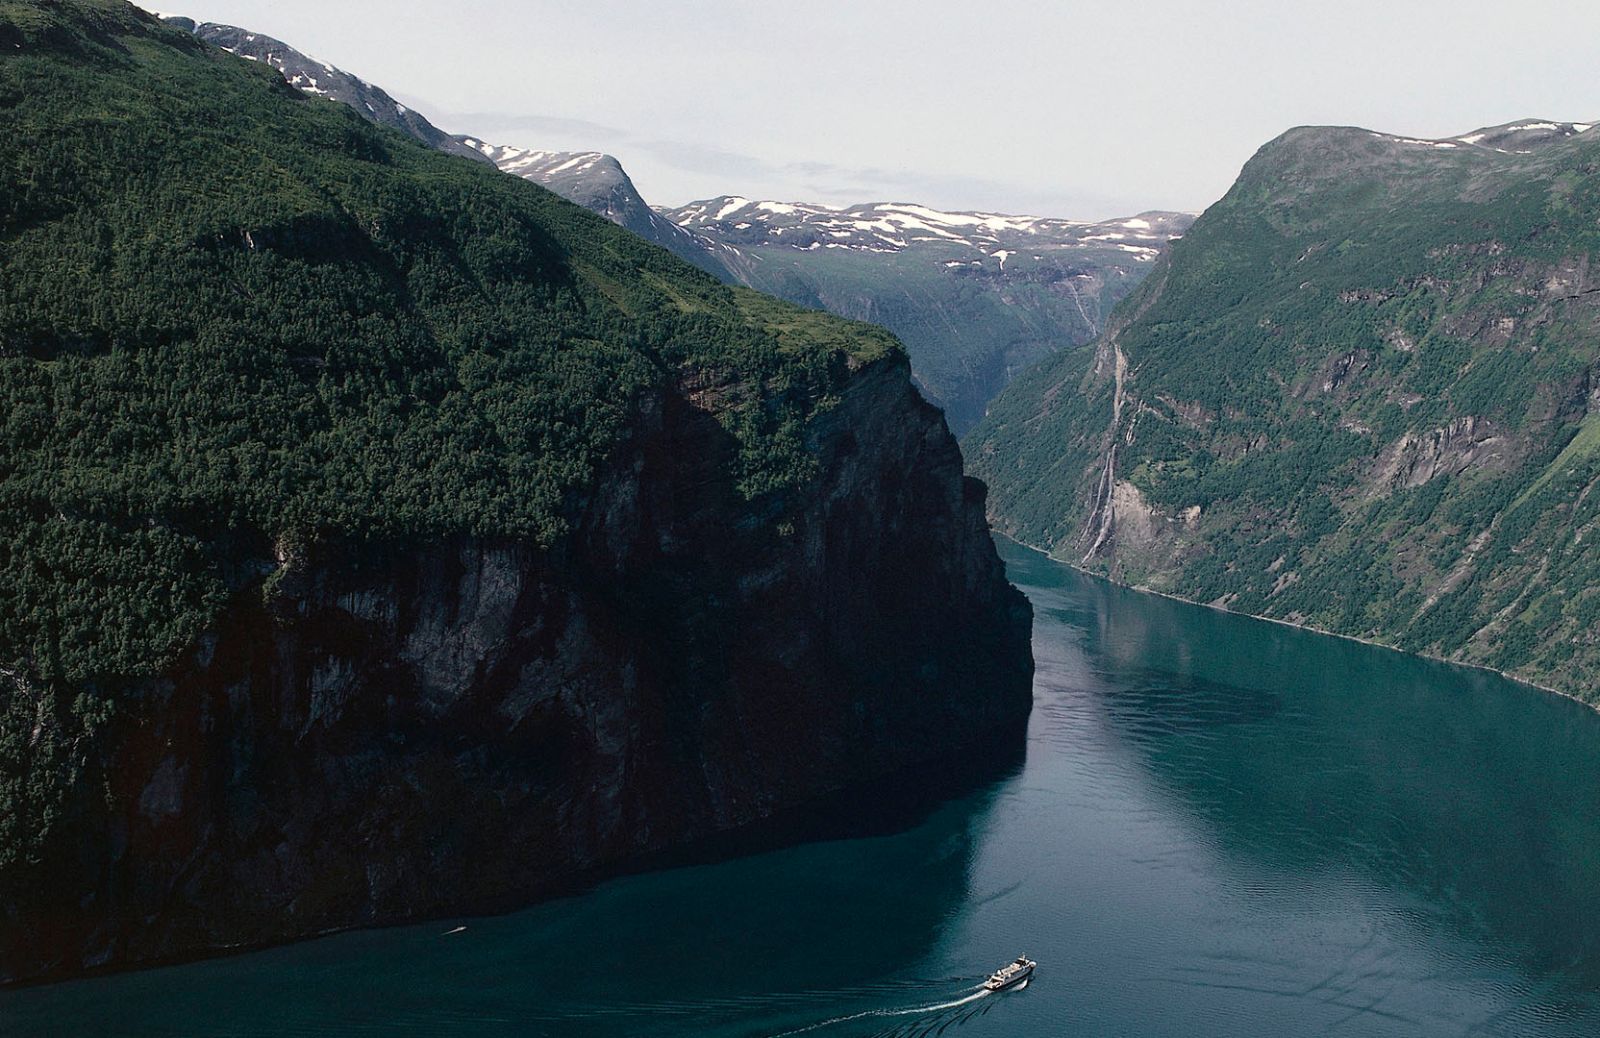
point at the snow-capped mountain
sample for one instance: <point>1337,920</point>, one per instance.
<point>976,297</point>
<point>597,181</point>
<point>593,180</point>
<point>895,226</point>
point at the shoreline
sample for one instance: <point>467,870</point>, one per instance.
<point>1525,682</point>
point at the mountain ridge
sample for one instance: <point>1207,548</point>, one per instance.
<point>597,181</point>
<point>971,315</point>
<point>893,226</point>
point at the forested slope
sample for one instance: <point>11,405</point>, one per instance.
<point>1362,393</point>
<point>384,533</point>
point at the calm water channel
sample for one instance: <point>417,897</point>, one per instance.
<point>1222,827</point>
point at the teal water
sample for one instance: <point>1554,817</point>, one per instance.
<point>1222,828</point>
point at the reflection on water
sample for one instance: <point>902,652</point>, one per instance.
<point>1223,828</point>
<point>1451,816</point>
<point>1480,798</point>
<point>774,940</point>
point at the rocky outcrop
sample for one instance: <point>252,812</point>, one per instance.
<point>380,732</point>
<point>1416,458</point>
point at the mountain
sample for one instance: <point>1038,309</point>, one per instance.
<point>591,179</point>
<point>321,79</point>
<point>1362,393</point>
<point>976,297</point>
<point>388,536</point>
<point>892,227</point>
<point>598,182</point>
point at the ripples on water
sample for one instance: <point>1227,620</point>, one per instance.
<point>1223,828</point>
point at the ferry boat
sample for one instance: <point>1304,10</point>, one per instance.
<point>1011,974</point>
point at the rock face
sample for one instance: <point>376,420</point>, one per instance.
<point>397,732</point>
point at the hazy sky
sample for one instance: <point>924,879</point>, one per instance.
<point>1074,109</point>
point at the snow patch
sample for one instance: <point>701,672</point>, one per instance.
<point>579,162</point>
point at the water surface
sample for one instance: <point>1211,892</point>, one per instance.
<point>1222,828</point>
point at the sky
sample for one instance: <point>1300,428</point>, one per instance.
<point>1084,110</point>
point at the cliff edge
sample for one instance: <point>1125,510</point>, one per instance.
<point>387,536</point>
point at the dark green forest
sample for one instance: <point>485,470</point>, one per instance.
<point>235,319</point>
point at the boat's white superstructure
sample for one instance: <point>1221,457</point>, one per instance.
<point>1011,974</point>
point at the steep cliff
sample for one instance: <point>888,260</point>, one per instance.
<point>387,536</point>
<point>1360,394</point>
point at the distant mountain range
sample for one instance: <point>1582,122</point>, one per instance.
<point>1361,394</point>
<point>896,226</point>
<point>975,297</point>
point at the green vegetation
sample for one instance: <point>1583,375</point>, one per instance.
<point>234,318</point>
<point>1374,368</point>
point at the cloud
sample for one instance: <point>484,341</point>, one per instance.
<point>551,125</point>
<point>674,171</point>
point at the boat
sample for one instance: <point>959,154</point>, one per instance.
<point>1011,974</point>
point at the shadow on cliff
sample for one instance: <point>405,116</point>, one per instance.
<point>759,944</point>
<point>383,732</point>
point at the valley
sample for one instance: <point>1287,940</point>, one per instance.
<point>445,591</point>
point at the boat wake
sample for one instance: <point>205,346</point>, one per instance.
<point>911,1018</point>
<point>941,1008</point>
